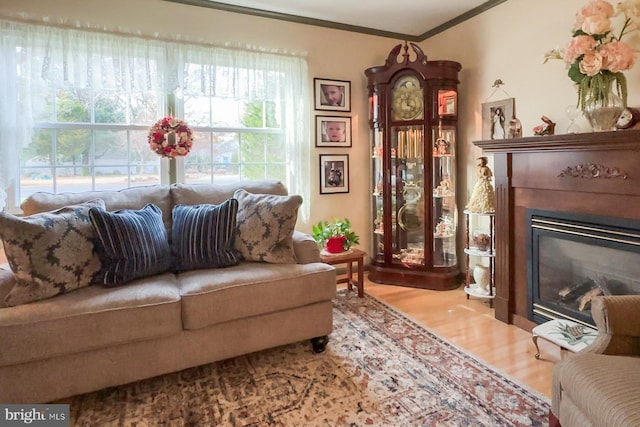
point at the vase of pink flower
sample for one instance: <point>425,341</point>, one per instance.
<point>596,57</point>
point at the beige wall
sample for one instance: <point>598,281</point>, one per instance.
<point>507,42</point>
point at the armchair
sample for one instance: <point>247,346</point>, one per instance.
<point>600,386</point>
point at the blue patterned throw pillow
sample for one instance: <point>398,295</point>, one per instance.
<point>132,243</point>
<point>265,226</point>
<point>50,253</point>
<point>202,236</point>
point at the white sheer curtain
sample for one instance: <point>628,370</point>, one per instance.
<point>34,55</point>
<point>15,109</point>
<point>255,75</point>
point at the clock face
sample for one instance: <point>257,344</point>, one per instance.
<point>625,118</point>
<point>407,98</point>
<point>628,118</point>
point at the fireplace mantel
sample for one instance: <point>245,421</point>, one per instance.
<point>588,173</point>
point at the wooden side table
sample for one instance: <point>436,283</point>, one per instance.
<point>349,257</point>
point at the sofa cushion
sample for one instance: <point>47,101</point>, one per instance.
<point>203,235</point>
<point>90,318</point>
<point>128,198</point>
<point>132,243</point>
<point>250,289</point>
<point>51,252</point>
<point>265,226</point>
<point>197,194</point>
<point>606,389</point>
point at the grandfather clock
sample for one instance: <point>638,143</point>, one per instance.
<point>413,116</point>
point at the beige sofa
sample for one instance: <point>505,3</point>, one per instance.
<point>96,337</point>
<point>600,386</point>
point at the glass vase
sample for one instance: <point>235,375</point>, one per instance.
<point>603,109</point>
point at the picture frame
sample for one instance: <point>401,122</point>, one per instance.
<point>496,116</point>
<point>332,95</point>
<point>333,131</point>
<point>447,103</point>
<point>334,173</point>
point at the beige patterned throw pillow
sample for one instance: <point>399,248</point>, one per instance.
<point>50,253</point>
<point>265,225</point>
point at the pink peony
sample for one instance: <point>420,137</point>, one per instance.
<point>617,56</point>
<point>596,8</point>
<point>591,63</point>
<point>577,46</point>
<point>596,25</point>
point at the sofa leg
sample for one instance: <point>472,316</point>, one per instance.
<point>319,343</point>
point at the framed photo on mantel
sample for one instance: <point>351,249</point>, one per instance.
<point>496,117</point>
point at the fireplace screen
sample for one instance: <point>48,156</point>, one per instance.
<point>574,258</point>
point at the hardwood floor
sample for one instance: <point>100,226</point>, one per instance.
<point>470,324</point>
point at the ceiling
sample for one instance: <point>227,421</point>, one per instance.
<point>412,20</point>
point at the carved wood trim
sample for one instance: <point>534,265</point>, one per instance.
<point>593,171</point>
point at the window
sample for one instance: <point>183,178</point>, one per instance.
<point>85,139</point>
<point>238,137</point>
<point>83,103</point>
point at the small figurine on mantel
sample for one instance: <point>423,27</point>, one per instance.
<point>515,128</point>
<point>482,196</point>
<point>547,128</point>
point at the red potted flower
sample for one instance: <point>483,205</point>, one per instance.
<point>335,237</point>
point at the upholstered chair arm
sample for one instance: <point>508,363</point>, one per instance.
<point>618,320</point>
<point>305,247</point>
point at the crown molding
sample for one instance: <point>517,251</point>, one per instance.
<point>461,18</point>
<point>339,26</point>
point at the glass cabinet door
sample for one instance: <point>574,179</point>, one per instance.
<point>408,169</point>
<point>378,180</point>
<point>444,211</point>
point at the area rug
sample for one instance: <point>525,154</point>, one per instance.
<point>380,369</point>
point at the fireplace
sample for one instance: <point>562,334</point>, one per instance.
<point>574,258</point>
<point>589,175</point>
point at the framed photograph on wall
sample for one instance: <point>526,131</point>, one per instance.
<point>496,117</point>
<point>333,131</point>
<point>332,95</point>
<point>334,173</point>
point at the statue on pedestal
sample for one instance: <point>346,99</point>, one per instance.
<point>482,196</point>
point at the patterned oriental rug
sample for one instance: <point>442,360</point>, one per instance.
<point>380,369</point>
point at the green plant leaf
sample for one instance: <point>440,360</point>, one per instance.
<point>323,230</point>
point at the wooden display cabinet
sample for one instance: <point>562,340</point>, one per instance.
<point>413,119</point>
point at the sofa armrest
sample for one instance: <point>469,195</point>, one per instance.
<point>306,248</point>
<point>7,282</point>
<point>618,323</point>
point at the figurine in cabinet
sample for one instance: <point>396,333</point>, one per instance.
<point>482,196</point>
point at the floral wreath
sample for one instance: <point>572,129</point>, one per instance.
<point>160,141</point>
